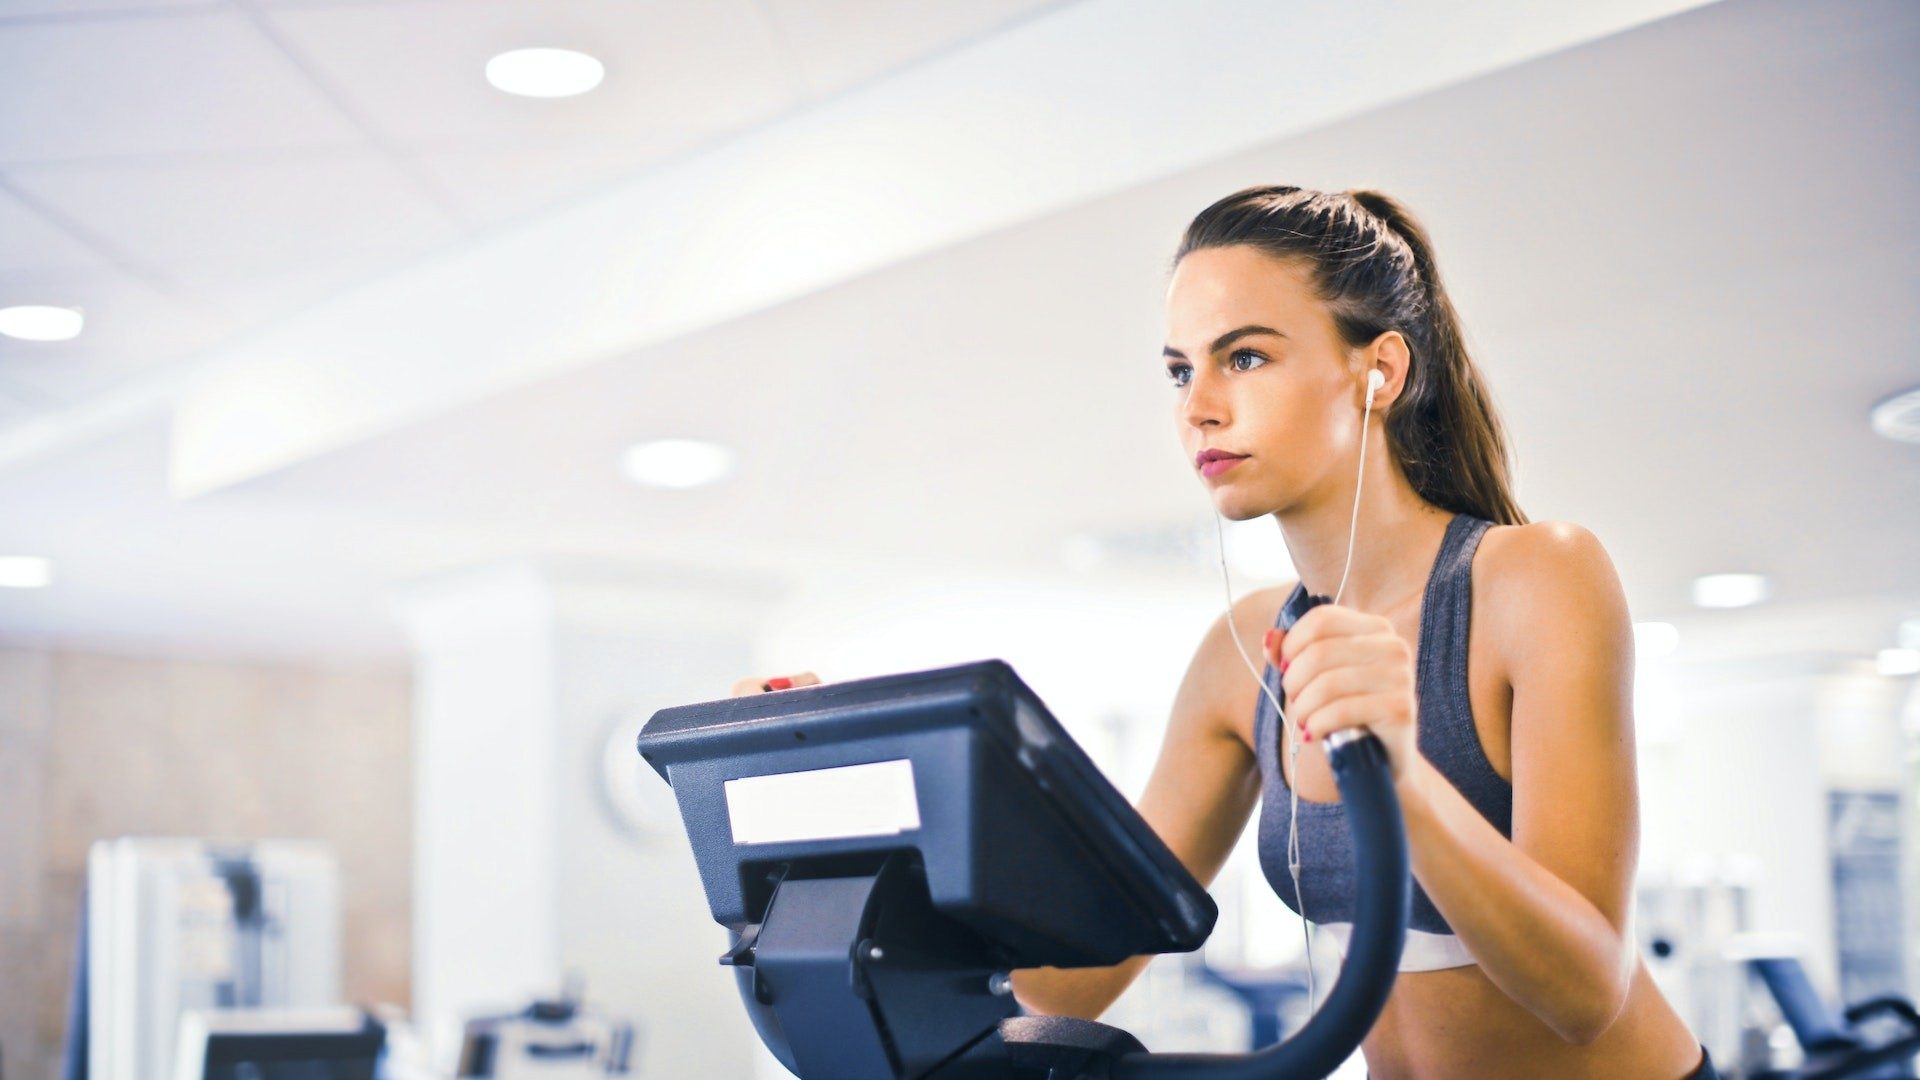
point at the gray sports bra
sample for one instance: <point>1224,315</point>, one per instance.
<point>1446,738</point>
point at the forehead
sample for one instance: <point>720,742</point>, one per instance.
<point>1217,289</point>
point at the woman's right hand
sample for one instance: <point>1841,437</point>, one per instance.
<point>761,684</point>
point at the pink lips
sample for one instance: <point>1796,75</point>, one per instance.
<point>1219,465</point>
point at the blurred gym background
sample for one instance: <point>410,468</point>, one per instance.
<point>402,399</point>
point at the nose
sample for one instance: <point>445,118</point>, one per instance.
<point>1202,405</point>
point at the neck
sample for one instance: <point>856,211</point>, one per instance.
<point>1396,538</point>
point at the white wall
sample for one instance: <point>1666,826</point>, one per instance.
<point>1862,747</point>
<point>1740,776</point>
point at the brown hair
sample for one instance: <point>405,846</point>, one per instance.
<point>1372,264</point>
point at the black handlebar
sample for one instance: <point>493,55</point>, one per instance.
<point>1365,779</point>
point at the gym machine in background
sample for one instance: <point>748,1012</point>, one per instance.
<point>174,925</point>
<point>547,1040</point>
<point>270,1044</point>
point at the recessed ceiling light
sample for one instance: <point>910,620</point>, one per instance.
<point>25,572</point>
<point>1729,590</point>
<point>39,322</point>
<point>545,73</point>
<point>1898,417</point>
<point>1898,661</point>
<point>1655,638</point>
<point>676,463</point>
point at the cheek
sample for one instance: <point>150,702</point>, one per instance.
<point>1290,423</point>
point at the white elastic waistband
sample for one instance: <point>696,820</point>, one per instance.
<point>1424,951</point>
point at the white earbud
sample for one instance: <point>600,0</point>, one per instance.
<point>1375,380</point>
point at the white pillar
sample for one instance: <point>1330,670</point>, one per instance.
<point>532,681</point>
<point>634,921</point>
<point>485,844</point>
<point>1910,817</point>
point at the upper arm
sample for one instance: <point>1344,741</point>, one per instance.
<point>1205,783</point>
<point>1566,641</point>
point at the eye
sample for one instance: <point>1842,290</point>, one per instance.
<point>1238,353</point>
<point>1174,370</point>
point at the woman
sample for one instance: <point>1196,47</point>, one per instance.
<point>1510,732</point>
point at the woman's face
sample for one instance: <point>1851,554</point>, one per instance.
<point>1291,403</point>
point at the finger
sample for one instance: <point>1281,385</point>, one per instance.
<point>1380,648</point>
<point>755,684</point>
<point>1335,684</point>
<point>788,682</point>
<point>1275,636</point>
<point>1324,655</point>
<point>1354,710</point>
<point>1327,620</point>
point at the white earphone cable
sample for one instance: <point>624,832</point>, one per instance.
<point>1374,380</point>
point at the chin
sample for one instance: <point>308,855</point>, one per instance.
<point>1241,509</point>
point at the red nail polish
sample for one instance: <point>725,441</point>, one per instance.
<point>1309,736</point>
<point>1283,666</point>
<point>1269,641</point>
<point>781,683</point>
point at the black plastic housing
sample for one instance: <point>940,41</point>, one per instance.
<point>1023,839</point>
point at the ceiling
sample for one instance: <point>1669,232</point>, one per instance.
<point>191,169</point>
<point>1684,251</point>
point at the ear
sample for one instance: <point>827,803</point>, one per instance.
<point>1387,354</point>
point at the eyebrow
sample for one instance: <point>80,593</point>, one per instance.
<point>1225,340</point>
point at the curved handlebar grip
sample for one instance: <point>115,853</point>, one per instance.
<point>1365,779</point>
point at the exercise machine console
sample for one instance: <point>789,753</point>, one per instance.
<point>884,852</point>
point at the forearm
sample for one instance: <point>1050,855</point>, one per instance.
<point>1081,992</point>
<point>1536,937</point>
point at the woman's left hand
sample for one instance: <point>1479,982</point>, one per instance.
<point>1343,668</point>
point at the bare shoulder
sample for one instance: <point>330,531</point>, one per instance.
<point>1544,574</point>
<point>1217,686</point>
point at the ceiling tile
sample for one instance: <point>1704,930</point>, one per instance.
<point>26,9</point>
<point>318,3</point>
<point>494,185</point>
<point>837,43</point>
<point>29,241</point>
<point>130,330</point>
<point>90,88</point>
<point>17,404</point>
<point>417,70</point>
<point>209,225</point>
